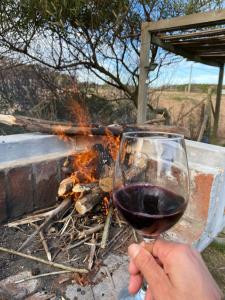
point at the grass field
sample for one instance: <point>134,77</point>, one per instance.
<point>180,103</point>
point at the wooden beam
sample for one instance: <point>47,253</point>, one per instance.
<point>181,52</point>
<point>203,41</point>
<point>185,22</point>
<point>211,48</point>
<point>205,33</point>
<point>218,101</point>
<point>144,70</point>
<point>215,54</point>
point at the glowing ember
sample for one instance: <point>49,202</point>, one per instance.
<point>105,205</point>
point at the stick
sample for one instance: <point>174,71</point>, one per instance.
<point>44,243</point>
<point>105,234</point>
<point>92,230</point>
<point>33,125</point>
<point>63,206</point>
<point>92,253</point>
<point>78,243</point>
<point>41,275</point>
<point>50,263</point>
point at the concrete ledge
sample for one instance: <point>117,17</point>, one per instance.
<point>20,148</point>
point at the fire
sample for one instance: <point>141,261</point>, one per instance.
<point>80,113</point>
<point>105,205</point>
<point>112,143</point>
<point>60,131</point>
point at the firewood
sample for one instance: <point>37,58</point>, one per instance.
<point>86,203</point>
<point>106,179</point>
<point>44,126</point>
<point>65,186</point>
<point>84,187</point>
<point>137,166</point>
<point>106,184</point>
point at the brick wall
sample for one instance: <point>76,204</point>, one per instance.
<point>28,187</point>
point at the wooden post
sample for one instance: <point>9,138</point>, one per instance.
<point>143,75</point>
<point>218,101</point>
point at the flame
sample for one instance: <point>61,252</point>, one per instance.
<point>85,163</point>
<point>105,205</point>
<point>112,143</point>
<point>80,113</point>
<point>60,130</point>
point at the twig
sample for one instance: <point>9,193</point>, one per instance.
<point>44,243</point>
<point>42,275</point>
<point>114,240</point>
<point>90,231</point>
<point>32,218</point>
<point>105,234</point>
<point>92,253</point>
<point>158,120</point>
<point>50,263</point>
<point>124,241</point>
<point>78,243</point>
<point>135,236</point>
<point>63,206</point>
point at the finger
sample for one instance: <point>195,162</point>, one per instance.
<point>149,268</point>
<point>148,295</point>
<point>135,283</point>
<point>132,268</point>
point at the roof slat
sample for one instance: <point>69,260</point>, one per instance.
<point>198,20</point>
<point>205,33</point>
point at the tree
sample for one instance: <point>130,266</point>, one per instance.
<point>101,36</point>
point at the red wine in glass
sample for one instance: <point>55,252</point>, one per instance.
<point>150,209</point>
<point>151,183</point>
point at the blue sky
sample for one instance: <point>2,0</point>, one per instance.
<point>179,73</point>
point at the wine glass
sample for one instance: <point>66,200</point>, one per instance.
<point>151,183</point>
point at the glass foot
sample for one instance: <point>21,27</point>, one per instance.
<point>124,295</point>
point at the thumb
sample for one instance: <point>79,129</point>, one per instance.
<point>152,272</point>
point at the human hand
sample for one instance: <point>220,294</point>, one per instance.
<point>173,272</point>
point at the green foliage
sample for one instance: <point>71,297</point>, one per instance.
<point>99,36</point>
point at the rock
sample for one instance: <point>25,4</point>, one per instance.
<point>11,290</point>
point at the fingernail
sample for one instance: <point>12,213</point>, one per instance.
<point>133,250</point>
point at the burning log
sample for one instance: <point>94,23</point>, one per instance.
<point>65,186</point>
<point>84,188</point>
<point>106,179</point>
<point>52,127</point>
<point>86,203</point>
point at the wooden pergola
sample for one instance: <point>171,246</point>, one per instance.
<point>197,37</point>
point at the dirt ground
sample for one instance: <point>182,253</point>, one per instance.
<point>214,257</point>
<point>180,103</point>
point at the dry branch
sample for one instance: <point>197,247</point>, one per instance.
<point>105,234</point>
<point>90,231</point>
<point>33,125</point>
<point>62,207</point>
<point>92,253</point>
<point>50,263</point>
